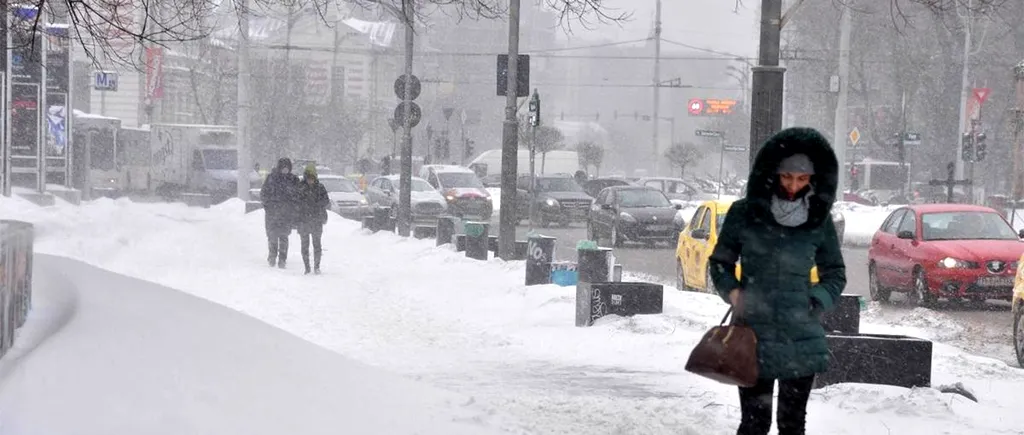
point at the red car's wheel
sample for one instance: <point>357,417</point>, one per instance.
<point>920,295</point>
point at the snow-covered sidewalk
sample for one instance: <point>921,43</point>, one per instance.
<point>432,314</point>
<point>107,354</point>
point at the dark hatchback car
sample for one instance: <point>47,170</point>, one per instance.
<point>633,213</point>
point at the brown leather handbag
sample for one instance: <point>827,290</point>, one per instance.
<point>727,354</point>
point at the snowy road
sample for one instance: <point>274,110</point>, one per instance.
<point>984,329</point>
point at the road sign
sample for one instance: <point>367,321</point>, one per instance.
<point>735,148</point>
<point>912,139</point>
<point>855,136</point>
<point>400,87</point>
<point>415,114</point>
<point>695,107</point>
<point>522,76</point>
<point>709,133</point>
<point>719,106</point>
<point>105,81</point>
<point>981,94</point>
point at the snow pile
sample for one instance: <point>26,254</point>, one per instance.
<point>473,327</point>
<point>110,354</point>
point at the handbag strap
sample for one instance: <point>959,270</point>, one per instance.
<point>736,319</point>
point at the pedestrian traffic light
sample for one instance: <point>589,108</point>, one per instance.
<point>967,148</point>
<point>535,109</point>
<point>979,147</point>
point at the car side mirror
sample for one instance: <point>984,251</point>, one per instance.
<point>905,235</point>
<point>1020,233</point>
<point>678,206</point>
<point>607,207</point>
<point>700,234</point>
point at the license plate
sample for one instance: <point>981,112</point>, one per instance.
<point>657,227</point>
<point>995,281</point>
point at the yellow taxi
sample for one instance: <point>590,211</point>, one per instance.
<point>697,240</point>
<point>1018,313</point>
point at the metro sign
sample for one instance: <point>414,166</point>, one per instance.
<point>695,107</point>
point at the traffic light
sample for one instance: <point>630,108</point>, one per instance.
<point>967,148</point>
<point>535,109</point>
<point>469,149</point>
<point>979,147</point>
<point>854,179</point>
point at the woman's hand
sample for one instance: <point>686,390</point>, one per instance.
<point>736,300</point>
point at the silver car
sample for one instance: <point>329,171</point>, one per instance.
<point>346,199</point>
<point>427,203</point>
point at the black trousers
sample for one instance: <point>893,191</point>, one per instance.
<point>312,233</point>
<point>278,246</point>
<point>756,406</point>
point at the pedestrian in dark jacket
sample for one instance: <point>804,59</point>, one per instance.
<point>779,232</point>
<point>279,195</point>
<point>313,205</point>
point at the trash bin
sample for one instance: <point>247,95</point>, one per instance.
<point>564,273</point>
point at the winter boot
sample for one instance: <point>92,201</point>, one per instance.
<point>272,261</point>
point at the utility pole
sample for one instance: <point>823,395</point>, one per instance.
<point>965,95</point>
<point>43,108</point>
<point>1018,139</point>
<point>841,128</point>
<point>655,157</point>
<point>8,103</point>
<point>768,79</point>
<point>510,142</point>
<point>405,177</point>
<point>243,101</point>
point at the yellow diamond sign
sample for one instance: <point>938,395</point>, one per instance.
<point>855,136</point>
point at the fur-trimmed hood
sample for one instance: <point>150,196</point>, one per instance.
<point>764,179</point>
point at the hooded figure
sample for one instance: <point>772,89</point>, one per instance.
<point>313,205</point>
<point>779,232</point>
<point>279,195</point>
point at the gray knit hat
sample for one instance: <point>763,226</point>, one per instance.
<point>799,163</point>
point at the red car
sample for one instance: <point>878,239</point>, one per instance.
<point>950,251</point>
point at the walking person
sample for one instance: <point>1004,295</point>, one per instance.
<point>313,205</point>
<point>279,196</point>
<point>779,232</point>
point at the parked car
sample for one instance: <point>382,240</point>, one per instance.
<point>954,251</point>
<point>632,213</point>
<point>346,199</point>
<point>427,203</point>
<point>552,198</point>
<point>676,189</point>
<point>466,195</point>
<point>493,180</point>
<point>596,185</point>
<point>696,242</point>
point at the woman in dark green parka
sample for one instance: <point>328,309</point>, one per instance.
<point>779,232</point>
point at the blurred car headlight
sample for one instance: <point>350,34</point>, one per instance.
<point>627,217</point>
<point>955,263</point>
<point>551,202</point>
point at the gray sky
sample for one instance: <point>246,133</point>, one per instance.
<point>710,24</point>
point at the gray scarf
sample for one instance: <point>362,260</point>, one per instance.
<point>791,213</point>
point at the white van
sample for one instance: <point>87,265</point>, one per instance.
<point>551,162</point>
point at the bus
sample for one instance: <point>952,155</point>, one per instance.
<point>877,180</point>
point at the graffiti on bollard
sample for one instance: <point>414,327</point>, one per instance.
<point>16,249</point>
